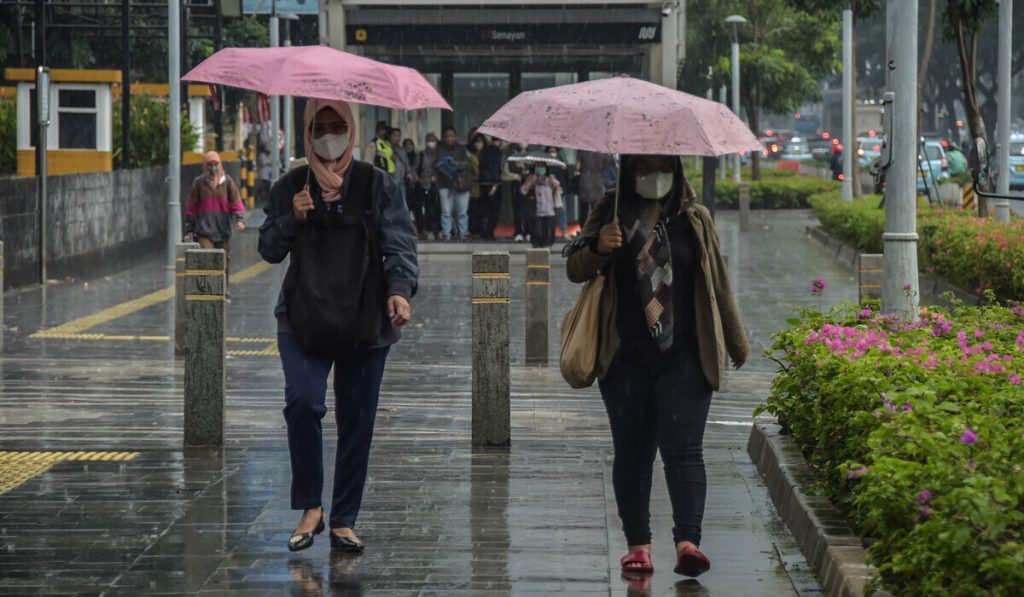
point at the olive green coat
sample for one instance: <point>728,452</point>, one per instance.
<point>719,328</point>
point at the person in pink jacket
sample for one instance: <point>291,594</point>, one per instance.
<point>214,209</point>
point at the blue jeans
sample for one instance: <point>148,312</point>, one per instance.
<point>461,204</point>
<point>663,406</point>
<point>357,380</point>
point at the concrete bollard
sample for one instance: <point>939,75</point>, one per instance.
<point>869,272</point>
<point>744,206</point>
<point>538,280</point>
<point>204,347</point>
<point>179,295</point>
<point>491,312</point>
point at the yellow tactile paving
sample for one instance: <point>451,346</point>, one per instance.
<point>18,467</point>
<point>77,326</point>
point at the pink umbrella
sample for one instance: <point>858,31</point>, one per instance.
<point>622,115</point>
<point>319,72</point>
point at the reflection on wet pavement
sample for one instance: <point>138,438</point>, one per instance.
<point>439,517</point>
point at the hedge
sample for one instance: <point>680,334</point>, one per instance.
<point>916,433</point>
<point>780,190</point>
<point>973,253</point>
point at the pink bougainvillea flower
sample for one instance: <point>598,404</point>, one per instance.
<point>1015,379</point>
<point>818,286</point>
<point>924,496</point>
<point>856,473</point>
<point>969,436</point>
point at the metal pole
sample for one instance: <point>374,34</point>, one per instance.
<point>725,160</point>
<point>275,110</point>
<point>736,94</point>
<point>900,289</point>
<point>42,150</point>
<point>849,134</point>
<point>287,101</point>
<point>218,43</point>
<point>1003,105</point>
<point>126,84</point>
<point>669,43</point>
<point>174,113</point>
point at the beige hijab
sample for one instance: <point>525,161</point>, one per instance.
<point>329,174</point>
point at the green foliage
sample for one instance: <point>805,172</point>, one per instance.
<point>968,14</point>
<point>150,131</point>
<point>777,190</point>
<point>882,410</point>
<point>8,136</point>
<point>784,52</point>
<point>973,253</point>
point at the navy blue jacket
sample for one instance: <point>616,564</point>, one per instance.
<point>396,236</point>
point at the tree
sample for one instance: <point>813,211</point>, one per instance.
<point>833,10</point>
<point>963,20</point>
<point>783,54</point>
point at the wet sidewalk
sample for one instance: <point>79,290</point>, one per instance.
<point>97,496</point>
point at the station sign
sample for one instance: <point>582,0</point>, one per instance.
<point>504,35</point>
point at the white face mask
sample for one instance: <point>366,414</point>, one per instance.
<point>330,146</point>
<point>431,144</point>
<point>654,185</point>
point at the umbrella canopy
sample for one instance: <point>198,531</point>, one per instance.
<point>622,115</point>
<point>319,72</point>
<point>537,159</point>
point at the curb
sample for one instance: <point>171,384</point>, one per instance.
<point>849,255</point>
<point>826,539</point>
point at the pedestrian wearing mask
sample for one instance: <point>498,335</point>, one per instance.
<point>562,174</point>
<point>428,211</point>
<point>476,212</point>
<point>513,173</point>
<point>490,187</point>
<point>330,219</point>
<point>544,193</point>
<point>454,175</point>
<point>668,321</point>
<point>214,209</point>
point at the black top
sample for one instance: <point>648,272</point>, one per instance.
<point>490,165</point>
<point>637,344</point>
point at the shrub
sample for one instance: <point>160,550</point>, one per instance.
<point>8,136</point>
<point>916,433</point>
<point>973,253</point>
<point>780,190</point>
<point>150,131</point>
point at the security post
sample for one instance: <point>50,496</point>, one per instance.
<point>204,347</point>
<point>491,311</point>
<point>179,295</point>
<point>538,276</point>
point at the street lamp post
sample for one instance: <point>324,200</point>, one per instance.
<point>174,122</point>
<point>735,21</point>
<point>1002,205</point>
<point>900,288</point>
<point>286,158</point>
<point>849,135</point>
<point>275,106</point>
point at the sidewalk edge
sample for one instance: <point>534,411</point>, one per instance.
<point>826,540</point>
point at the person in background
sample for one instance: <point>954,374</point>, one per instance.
<point>454,175</point>
<point>544,193</point>
<point>836,161</point>
<point>379,151</point>
<point>490,187</point>
<point>476,146</point>
<point>427,212</point>
<point>214,209</point>
<point>956,160</point>
<point>263,180</point>
<point>513,173</point>
<point>562,174</point>
<point>590,165</point>
<point>403,171</point>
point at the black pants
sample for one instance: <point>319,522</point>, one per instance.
<point>520,217</point>
<point>490,208</point>
<point>658,406</point>
<point>426,209</point>
<point>543,234</point>
<point>357,380</point>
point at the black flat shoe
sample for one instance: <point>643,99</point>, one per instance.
<point>346,545</point>
<point>305,540</point>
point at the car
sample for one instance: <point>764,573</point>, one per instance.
<point>796,149</point>
<point>1017,164</point>
<point>932,164</point>
<point>869,150</point>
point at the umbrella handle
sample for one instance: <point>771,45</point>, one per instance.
<point>618,185</point>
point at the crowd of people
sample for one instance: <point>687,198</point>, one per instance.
<point>455,191</point>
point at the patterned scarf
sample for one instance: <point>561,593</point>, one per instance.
<point>647,239</point>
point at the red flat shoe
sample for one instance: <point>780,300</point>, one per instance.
<point>641,557</point>
<point>692,562</point>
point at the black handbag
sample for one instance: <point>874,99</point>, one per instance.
<point>334,289</point>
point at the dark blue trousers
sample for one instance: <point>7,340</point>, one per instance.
<point>660,405</point>
<point>357,380</point>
